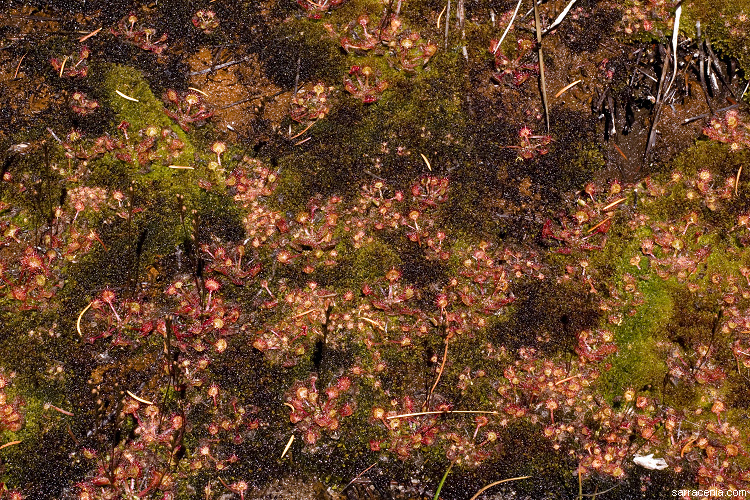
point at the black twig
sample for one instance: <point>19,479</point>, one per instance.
<point>716,63</point>
<point>706,115</point>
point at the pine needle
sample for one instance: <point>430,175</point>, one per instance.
<point>476,495</point>
<point>9,444</point>
<point>568,86</point>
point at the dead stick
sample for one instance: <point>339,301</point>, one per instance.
<point>658,106</point>
<point>243,101</point>
<point>706,115</point>
<point>702,66</point>
<point>541,64</point>
<point>217,67</point>
<point>447,23</point>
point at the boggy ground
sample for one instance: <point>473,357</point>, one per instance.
<point>333,250</point>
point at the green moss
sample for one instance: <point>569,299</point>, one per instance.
<point>724,22</point>
<point>149,110</point>
<point>131,82</point>
<point>588,161</point>
<point>43,429</point>
<point>306,40</point>
<point>710,155</point>
<point>372,261</point>
<point>639,364</point>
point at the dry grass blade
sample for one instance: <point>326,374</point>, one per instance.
<point>675,33</point>
<point>303,131</point>
<point>599,225</point>
<point>441,412</point>
<point>86,37</point>
<point>560,18</point>
<point>614,204</point>
<point>357,477</point>
<point>476,495</point>
<point>440,16</point>
<point>60,410</point>
<point>620,151</point>
<point>427,162</point>
<point>737,181</point>
<point>15,75</point>
<point>515,13</point>
<point>198,90</point>
<point>62,66</point>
